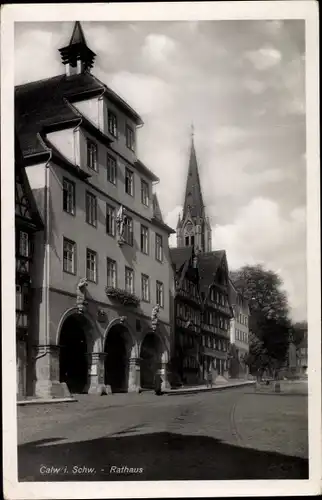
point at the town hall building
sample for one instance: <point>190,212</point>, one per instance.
<point>100,318</point>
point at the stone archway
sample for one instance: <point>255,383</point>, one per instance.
<point>73,356</point>
<point>151,355</point>
<point>118,347</point>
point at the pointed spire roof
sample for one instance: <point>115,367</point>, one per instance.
<point>77,35</point>
<point>156,208</point>
<point>77,49</point>
<point>193,201</point>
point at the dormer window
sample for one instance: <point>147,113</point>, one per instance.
<point>129,134</point>
<point>112,123</point>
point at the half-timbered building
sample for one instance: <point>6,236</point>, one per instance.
<point>27,222</point>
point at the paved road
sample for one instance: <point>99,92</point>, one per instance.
<point>234,434</point>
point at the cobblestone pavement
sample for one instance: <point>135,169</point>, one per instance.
<point>239,433</point>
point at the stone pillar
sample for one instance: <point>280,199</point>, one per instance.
<point>164,375</point>
<point>96,372</point>
<point>134,382</point>
<point>46,373</point>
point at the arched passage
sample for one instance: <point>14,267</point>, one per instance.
<point>118,347</point>
<point>73,360</point>
<point>151,357</point>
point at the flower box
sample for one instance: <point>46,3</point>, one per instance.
<point>122,296</point>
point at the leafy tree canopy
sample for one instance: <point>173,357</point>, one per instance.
<point>269,321</point>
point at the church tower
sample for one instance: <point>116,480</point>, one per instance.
<point>76,56</point>
<point>193,228</point>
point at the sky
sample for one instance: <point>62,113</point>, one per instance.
<point>242,85</point>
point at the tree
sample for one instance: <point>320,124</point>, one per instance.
<point>269,320</point>
<point>298,332</point>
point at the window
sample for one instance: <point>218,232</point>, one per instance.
<point>110,220</point>
<point>129,280</point>
<point>111,169</point>
<point>69,256</point>
<point>128,230</point>
<point>91,155</point>
<point>69,196</point>
<point>144,240</point>
<point>187,241</point>
<point>91,209</point>
<point>111,272</point>
<point>19,300</point>
<point>91,265</point>
<point>158,247</point>
<point>145,286</point>
<point>192,240</point>
<point>129,137</point>
<point>129,182</point>
<point>112,123</point>
<point>159,294</point>
<point>23,244</point>
<point>145,193</point>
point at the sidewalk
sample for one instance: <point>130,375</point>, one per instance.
<point>216,387</point>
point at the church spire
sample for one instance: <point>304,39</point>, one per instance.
<point>193,201</point>
<point>77,56</point>
<point>194,229</point>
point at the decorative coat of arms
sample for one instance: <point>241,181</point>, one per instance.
<point>120,224</point>
<point>155,317</point>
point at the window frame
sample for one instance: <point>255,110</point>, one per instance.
<point>159,237</point>
<point>73,185</point>
<point>113,262</point>
<point>144,234</point>
<point>127,231</point>
<point>129,171</point>
<point>111,158</point>
<point>27,243</point>
<point>112,220</point>
<point>114,129</point>
<point>93,252</point>
<point>67,240</point>
<point>90,143</point>
<point>129,137</point>
<point>89,195</point>
<point>145,279</point>
<point>145,184</point>
<point>131,271</point>
<point>159,286</point>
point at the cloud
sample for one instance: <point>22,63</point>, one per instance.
<point>254,86</point>
<point>158,48</point>
<point>259,234</point>
<point>264,58</point>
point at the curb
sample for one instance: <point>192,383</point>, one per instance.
<point>28,402</point>
<point>176,392</point>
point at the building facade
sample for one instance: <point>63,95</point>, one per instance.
<point>194,233</point>
<point>239,333</point>
<point>103,278</point>
<point>188,311</point>
<point>27,223</point>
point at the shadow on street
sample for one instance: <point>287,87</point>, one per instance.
<point>162,456</point>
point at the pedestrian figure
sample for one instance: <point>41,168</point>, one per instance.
<point>157,384</point>
<point>209,379</point>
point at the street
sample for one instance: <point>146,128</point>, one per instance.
<point>233,434</point>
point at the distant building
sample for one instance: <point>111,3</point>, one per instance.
<point>27,223</point>
<point>194,239</point>
<point>103,277</point>
<point>239,333</point>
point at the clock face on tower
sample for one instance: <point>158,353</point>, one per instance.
<point>189,228</point>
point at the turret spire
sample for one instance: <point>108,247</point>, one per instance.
<point>77,56</point>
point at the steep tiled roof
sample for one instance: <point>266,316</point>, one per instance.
<point>208,265</point>
<point>180,255</point>
<point>43,104</point>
